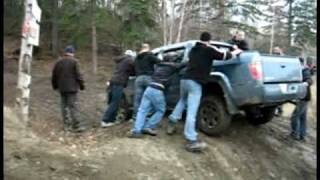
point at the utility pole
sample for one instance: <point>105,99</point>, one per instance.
<point>30,38</point>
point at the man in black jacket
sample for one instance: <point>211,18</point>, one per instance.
<point>197,74</point>
<point>118,82</point>
<point>299,116</point>
<point>239,41</point>
<point>67,79</point>
<point>144,67</point>
<point>154,97</point>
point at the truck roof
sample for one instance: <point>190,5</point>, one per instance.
<point>187,43</point>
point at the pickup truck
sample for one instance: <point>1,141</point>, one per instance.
<point>253,83</point>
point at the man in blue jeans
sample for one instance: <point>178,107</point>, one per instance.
<point>154,98</point>
<point>201,58</point>
<point>144,68</point>
<point>118,82</point>
<point>299,116</point>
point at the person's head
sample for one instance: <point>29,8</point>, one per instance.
<point>69,51</point>
<point>145,47</point>
<point>205,37</point>
<point>277,50</point>
<point>130,53</point>
<point>301,59</point>
<point>240,35</point>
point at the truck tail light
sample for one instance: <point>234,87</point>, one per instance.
<point>255,68</point>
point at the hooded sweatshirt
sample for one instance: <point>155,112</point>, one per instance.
<point>201,58</point>
<point>124,69</point>
<point>144,63</point>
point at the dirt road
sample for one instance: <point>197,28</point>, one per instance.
<point>43,151</point>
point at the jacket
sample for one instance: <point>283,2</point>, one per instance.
<point>66,76</point>
<point>163,74</point>
<point>201,58</point>
<point>144,63</point>
<point>242,44</point>
<point>306,76</point>
<point>124,69</point>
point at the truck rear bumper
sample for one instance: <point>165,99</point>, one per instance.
<point>283,92</point>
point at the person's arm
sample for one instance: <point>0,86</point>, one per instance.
<point>307,76</point>
<point>155,59</point>
<point>131,68</point>
<point>217,54</point>
<point>79,76</point>
<point>54,78</point>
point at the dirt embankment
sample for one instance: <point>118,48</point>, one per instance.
<point>43,151</point>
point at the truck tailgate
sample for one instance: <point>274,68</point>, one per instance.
<point>277,69</point>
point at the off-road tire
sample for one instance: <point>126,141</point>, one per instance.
<point>213,118</point>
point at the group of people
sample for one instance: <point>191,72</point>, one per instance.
<point>153,77</point>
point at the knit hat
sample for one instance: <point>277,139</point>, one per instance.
<point>69,49</point>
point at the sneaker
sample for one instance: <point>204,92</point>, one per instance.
<point>196,146</point>
<point>149,131</point>
<point>135,135</point>
<point>104,124</point>
<point>171,129</point>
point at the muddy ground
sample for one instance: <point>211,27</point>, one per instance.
<point>43,151</point>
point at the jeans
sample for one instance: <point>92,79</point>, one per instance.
<point>140,86</point>
<point>190,96</point>
<point>115,96</point>
<point>153,99</point>
<point>299,119</point>
<point>69,109</point>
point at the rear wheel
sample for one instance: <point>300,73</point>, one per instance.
<point>213,117</point>
<point>259,116</point>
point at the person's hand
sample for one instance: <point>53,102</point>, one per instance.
<point>235,47</point>
<point>108,83</point>
<point>236,52</point>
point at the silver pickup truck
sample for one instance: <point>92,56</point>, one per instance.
<point>253,83</point>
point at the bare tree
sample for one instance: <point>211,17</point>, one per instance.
<point>164,21</point>
<point>94,38</point>
<point>172,21</point>
<point>181,20</point>
<point>54,30</point>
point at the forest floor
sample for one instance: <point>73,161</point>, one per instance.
<point>42,150</point>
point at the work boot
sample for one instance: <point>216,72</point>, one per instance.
<point>78,129</point>
<point>196,146</point>
<point>171,129</point>
<point>149,131</point>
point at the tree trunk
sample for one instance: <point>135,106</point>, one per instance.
<point>94,39</point>
<point>54,30</point>
<point>164,19</point>
<point>181,21</point>
<point>290,17</point>
<point>172,22</point>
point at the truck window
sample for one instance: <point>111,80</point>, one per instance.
<point>177,54</point>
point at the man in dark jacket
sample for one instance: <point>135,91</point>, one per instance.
<point>154,97</point>
<point>67,79</point>
<point>299,116</point>
<point>144,67</point>
<point>118,82</point>
<point>197,74</point>
<point>239,41</point>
